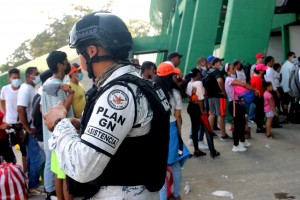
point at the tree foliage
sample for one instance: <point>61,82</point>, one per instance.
<point>56,35</point>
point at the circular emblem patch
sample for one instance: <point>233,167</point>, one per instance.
<point>117,99</point>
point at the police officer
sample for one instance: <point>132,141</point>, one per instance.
<point>119,114</point>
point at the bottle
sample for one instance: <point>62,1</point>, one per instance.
<point>187,187</point>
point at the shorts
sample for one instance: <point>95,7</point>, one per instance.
<point>55,166</point>
<point>286,98</point>
<point>270,114</point>
<point>217,106</point>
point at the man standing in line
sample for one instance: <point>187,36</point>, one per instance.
<point>217,97</point>
<point>35,155</point>
<point>286,70</point>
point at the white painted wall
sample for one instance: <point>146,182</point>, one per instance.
<point>275,49</point>
<point>295,39</point>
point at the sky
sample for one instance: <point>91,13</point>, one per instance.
<point>21,20</point>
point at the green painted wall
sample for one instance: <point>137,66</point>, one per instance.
<point>247,29</point>
<point>204,31</point>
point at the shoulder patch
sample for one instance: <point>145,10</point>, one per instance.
<point>117,99</point>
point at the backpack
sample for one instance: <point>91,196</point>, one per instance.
<point>207,78</point>
<point>37,118</point>
<point>152,175</point>
<point>244,95</point>
<point>294,84</point>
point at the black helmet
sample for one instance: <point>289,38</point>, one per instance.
<point>104,29</point>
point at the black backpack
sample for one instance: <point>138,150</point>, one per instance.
<point>150,174</point>
<point>37,118</point>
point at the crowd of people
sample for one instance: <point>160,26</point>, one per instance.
<point>79,141</point>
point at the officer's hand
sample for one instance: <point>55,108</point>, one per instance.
<point>75,122</point>
<point>54,114</point>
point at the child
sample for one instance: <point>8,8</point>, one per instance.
<point>269,107</point>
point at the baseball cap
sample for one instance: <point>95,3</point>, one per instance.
<point>166,68</point>
<point>261,67</point>
<point>74,67</point>
<point>173,55</point>
<point>215,60</point>
<point>259,55</point>
<point>194,72</point>
<point>210,58</point>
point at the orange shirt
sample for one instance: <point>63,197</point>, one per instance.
<point>257,82</point>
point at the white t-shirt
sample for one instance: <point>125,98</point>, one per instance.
<point>25,97</point>
<point>270,77</point>
<point>276,79</point>
<point>11,97</point>
<point>111,121</point>
<point>241,76</point>
<point>176,103</point>
<point>200,91</point>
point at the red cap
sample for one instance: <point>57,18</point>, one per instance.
<point>166,68</point>
<point>259,55</point>
<point>261,67</point>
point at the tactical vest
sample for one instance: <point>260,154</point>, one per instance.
<point>139,160</point>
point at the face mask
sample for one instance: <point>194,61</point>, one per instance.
<point>294,60</point>
<point>37,80</point>
<point>16,82</point>
<point>233,75</point>
<point>221,68</point>
<point>67,70</point>
<point>66,80</point>
<point>80,76</point>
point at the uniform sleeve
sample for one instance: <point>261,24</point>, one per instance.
<point>111,120</point>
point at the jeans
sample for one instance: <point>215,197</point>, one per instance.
<point>200,133</point>
<point>48,174</point>
<point>251,114</point>
<point>176,171</point>
<point>35,160</point>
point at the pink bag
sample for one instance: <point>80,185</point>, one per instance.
<point>12,182</point>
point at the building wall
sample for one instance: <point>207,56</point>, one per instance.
<point>275,48</point>
<point>295,39</point>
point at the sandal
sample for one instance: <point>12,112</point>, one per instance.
<point>270,136</point>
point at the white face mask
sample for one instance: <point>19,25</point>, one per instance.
<point>295,61</point>
<point>37,80</point>
<point>16,82</point>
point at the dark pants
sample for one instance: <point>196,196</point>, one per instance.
<point>239,122</point>
<point>259,112</point>
<point>6,151</point>
<point>194,112</point>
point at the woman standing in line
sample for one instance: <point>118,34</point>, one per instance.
<point>178,153</point>
<point>236,110</point>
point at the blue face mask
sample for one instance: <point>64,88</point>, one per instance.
<point>16,82</point>
<point>233,75</point>
<point>221,68</point>
<point>37,79</point>
<point>80,76</point>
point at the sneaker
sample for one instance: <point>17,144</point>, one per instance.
<point>214,134</point>
<point>225,137</point>
<point>35,191</point>
<point>239,148</point>
<point>191,143</point>
<point>247,143</point>
<point>51,196</point>
<point>261,130</point>
<point>202,145</point>
<point>199,153</point>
